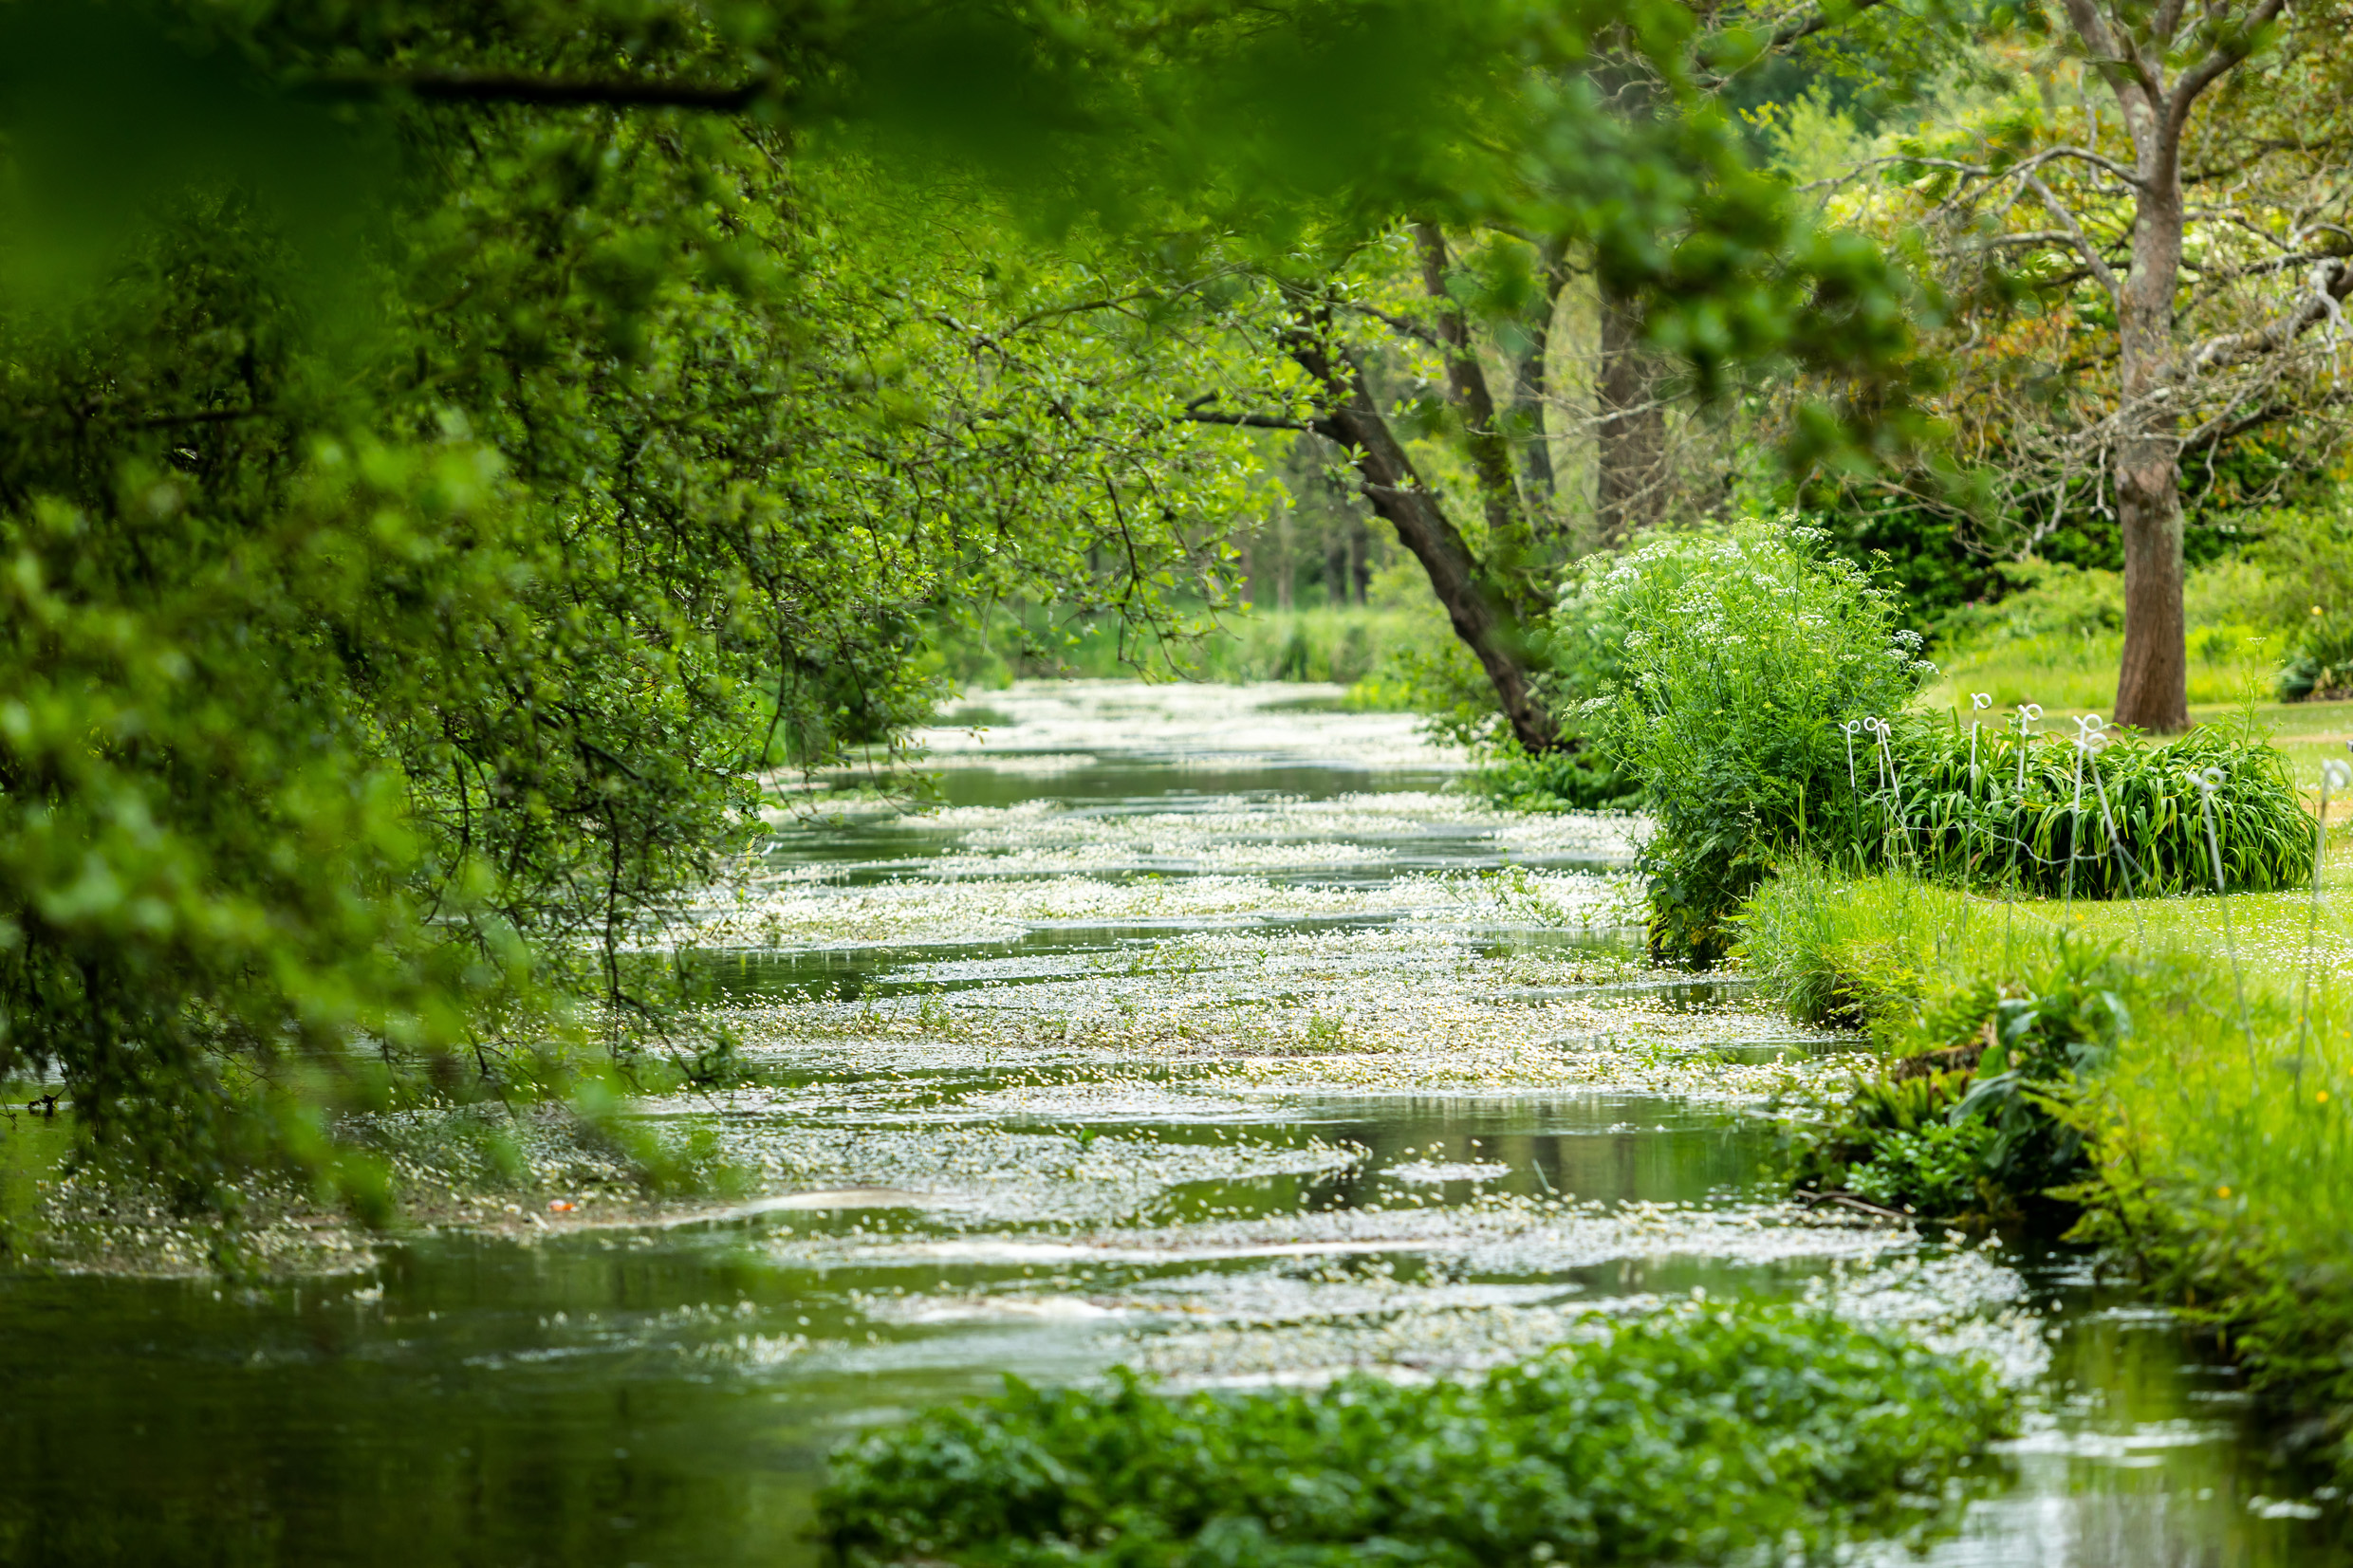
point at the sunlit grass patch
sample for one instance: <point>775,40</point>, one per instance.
<point>2076,671</point>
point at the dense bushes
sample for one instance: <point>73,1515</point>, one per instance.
<point>1742,654</point>
<point>1762,708</point>
<point>1692,1437</point>
<point>2322,665</point>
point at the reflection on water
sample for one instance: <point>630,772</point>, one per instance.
<point>666,1395</point>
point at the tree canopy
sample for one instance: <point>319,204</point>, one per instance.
<point>453,450</point>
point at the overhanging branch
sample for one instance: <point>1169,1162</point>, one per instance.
<point>1250,421</point>
<point>556,91</point>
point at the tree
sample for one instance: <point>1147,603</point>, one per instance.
<point>2132,48</point>
<point>400,606</point>
<point>1696,258</point>
<point>2141,287</point>
<point>450,450</point>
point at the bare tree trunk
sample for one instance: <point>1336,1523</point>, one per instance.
<point>1472,604</point>
<point>1531,381</point>
<point>1336,566</point>
<point>1631,438</point>
<point>2152,681</point>
<point>2131,47</point>
<point>1359,561</point>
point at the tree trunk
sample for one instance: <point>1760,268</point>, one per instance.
<point>1531,383</point>
<point>1630,441</point>
<point>2152,680</point>
<point>1473,605</point>
<point>2131,47</point>
<point>1283,553</point>
<point>1511,545</point>
<point>1360,562</point>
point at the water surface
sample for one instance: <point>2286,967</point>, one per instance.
<point>1183,1097</point>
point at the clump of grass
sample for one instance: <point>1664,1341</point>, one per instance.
<point>2050,815</point>
<point>1699,1437</point>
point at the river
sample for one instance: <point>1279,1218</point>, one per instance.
<point>1194,1029</point>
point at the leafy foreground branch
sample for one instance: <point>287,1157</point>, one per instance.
<point>1693,1437</point>
<point>2177,1070</point>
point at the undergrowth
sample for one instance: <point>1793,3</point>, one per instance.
<point>1763,705</point>
<point>1700,1436</point>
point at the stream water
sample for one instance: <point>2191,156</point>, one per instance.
<point>1190,1031</point>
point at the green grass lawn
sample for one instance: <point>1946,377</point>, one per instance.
<point>2075,672</point>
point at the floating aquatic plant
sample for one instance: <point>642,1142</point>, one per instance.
<point>1695,1436</point>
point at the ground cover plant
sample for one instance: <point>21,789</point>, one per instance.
<point>1983,1046</point>
<point>2198,1062</point>
<point>1694,1438</point>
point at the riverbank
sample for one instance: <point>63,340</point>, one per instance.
<point>2218,1157</point>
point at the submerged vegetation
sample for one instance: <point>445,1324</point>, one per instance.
<point>1697,1436</point>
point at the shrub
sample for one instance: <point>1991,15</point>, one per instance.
<point>1570,778</point>
<point>1743,653</point>
<point>1751,663</point>
<point>1693,1437</point>
<point>2322,666</point>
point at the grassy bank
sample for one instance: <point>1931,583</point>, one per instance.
<point>2186,1063</point>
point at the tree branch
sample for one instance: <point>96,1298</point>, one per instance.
<point>2218,60</point>
<point>2323,303</point>
<point>1249,421</point>
<point>453,86</point>
<point>2083,247</point>
<point>1792,33</point>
